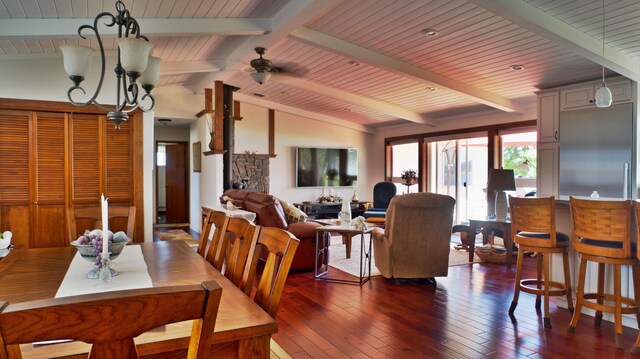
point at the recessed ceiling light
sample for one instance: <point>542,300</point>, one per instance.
<point>430,88</point>
<point>285,93</point>
<point>257,94</point>
<point>353,63</point>
<point>347,109</point>
<point>516,67</point>
<point>430,32</point>
<point>164,121</point>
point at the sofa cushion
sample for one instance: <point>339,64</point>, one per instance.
<point>292,213</point>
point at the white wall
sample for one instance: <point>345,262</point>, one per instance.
<point>292,131</point>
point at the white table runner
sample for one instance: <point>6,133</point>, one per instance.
<point>132,274</point>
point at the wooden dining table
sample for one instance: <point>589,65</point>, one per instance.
<point>243,329</point>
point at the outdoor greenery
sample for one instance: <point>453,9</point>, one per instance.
<point>522,159</point>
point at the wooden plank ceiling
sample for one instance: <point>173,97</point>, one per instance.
<point>362,61</point>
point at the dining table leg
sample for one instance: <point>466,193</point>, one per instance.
<point>471,240</point>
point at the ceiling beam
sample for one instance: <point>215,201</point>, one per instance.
<point>193,67</point>
<point>58,28</point>
<point>238,52</point>
<point>364,55</point>
<point>304,113</point>
<point>380,106</point>
<point>537,21</point>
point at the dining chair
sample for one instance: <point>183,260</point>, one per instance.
<point>110,321</point>
<point>281,247</point>
<point>214,253</point>
<point>121,218</point>
<point>533,228</point>
<point>602,234</point>
<point>204,231</point>
<point>242,235</point>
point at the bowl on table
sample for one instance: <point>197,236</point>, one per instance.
<point>88,252</point>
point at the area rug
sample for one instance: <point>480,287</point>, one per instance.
<point>351,266</point>
<point>176,235</point>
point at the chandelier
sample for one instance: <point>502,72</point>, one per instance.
<point>133,60</point>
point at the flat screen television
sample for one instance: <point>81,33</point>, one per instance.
<point>326,167</point>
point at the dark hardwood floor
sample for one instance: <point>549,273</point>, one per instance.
<point>464,316</point>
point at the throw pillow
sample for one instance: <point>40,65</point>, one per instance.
<point>292,213</point>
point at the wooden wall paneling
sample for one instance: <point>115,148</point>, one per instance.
<point>48,180</point>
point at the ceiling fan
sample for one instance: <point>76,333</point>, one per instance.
<point>264,68</point>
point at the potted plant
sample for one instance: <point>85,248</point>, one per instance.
<point>409,177</point>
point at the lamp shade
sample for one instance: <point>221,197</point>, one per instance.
<point>261,77</point>
<point>151,75</point>
<point>77,59</point>
<point>134,53</point>
<point>501,180</point>
<point>603,96</point>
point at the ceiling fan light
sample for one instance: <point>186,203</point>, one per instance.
<point>261,77</point>
<point>603,96</point>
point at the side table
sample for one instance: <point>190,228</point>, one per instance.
<point>487,223</point>
<point>322,251</point>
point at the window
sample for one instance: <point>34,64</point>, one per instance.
<point>404,157</point>
<point>161,158</point>
<point>519,154</point>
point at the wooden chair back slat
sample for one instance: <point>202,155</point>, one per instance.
<point>242,235</point>
<point>281,246</point>
<point>217,247</point>
<point>121,218</point>
<point>204,231</point>
<point>109,321</point>
<point>606,221</point>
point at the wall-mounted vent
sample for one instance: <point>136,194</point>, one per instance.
<point>257,94</point>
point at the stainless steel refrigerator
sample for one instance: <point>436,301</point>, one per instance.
<point>596,151</point>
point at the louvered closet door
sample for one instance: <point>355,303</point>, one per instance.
<point>48,195</point>
<point>88,172</point>
<point>14,176</point>
<point>119,163</point>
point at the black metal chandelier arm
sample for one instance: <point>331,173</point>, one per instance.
<point>153,102</point>
<point>102,107</point>
<point>132,89</point>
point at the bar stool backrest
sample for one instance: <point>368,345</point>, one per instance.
<point>601,228</point>
<point>533,215</point>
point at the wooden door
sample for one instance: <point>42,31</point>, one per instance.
<point>48,181</point>
<point>176,183</point>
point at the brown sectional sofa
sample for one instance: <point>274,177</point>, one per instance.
<point>269,213</point>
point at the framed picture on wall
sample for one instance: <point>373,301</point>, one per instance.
<point>197,152</point>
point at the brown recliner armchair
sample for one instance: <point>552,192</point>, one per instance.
<point>416,240</point>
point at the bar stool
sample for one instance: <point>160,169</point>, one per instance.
<point>602,234</point>
<point>533,228</point>
<point>636,273</point>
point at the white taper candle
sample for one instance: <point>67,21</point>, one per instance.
<point>105,227</point>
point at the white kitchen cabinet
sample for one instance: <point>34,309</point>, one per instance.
<point>547,170</point>
<point>548,117</point>
<point>583,96</point>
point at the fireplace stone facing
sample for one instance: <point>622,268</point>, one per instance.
<point>251,172</point>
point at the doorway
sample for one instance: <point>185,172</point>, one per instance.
<point>172,189</point>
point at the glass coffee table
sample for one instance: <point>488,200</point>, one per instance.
<point>323,237</point>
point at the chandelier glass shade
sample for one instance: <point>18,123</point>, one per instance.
<point>134,66</point>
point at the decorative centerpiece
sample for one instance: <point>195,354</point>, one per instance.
<point>329,199</point>
<point>409,177</point>
<point>90,247</point>
<point>358,223</point>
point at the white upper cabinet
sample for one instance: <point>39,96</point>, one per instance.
<point>583,96</point>
<point>548,117</point>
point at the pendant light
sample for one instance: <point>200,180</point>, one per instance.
<point>603,95</point>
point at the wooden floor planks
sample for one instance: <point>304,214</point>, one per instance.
<point>464,316</point>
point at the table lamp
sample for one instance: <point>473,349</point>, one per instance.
<point>501,180</point>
